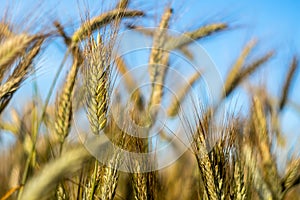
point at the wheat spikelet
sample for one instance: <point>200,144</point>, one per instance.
<point>90,26</point>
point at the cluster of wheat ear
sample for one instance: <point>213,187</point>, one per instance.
<point>43,163</point>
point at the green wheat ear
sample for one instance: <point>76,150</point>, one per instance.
<point>97,72</point>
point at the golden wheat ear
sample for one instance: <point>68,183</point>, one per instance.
<point>12,48</point>
<point>158,60</point>
<point>247,71</point>
<point>19,74</point>
<point>149,32</point>
<point>97,77</point>
<point>269,168</point>
<point>236,68</point>
<point>97,72</point>
<point>188,37</point>
<point>95,23</point>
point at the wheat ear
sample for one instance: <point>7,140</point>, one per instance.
<point>90,26</point>
<point>157,68</point>
<point>19,75</point>
<point>189,37</point>
<point>14,47</point>
<point>247,71</point>
<point>270,173</point>
<point>64,101</point>
<point>235,70</point>
<point>287,84</point>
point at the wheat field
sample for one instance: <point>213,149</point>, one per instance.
<point>225,156</point>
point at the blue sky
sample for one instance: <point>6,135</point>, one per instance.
<point>274,23</point>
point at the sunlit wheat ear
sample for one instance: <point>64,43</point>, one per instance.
<point>158,45</point>
<point>149,32</point>
<point>292,176</point>
<point>236,68</point>
<point>177,100</point>
<point>157,65</point>
<point>97,71</point>
<point>287,84</point>
<point>269,168</point>
<point>64,101</point>
<point>188,37</point>
<point>19,74</point>
<point>202,155</point>
<point>14,47</point>
<point>247,71</point>
<point>90,26</point>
